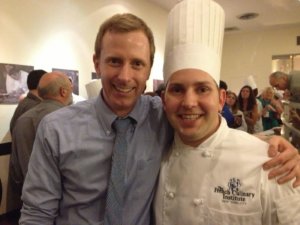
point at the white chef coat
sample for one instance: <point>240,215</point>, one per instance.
<point>222,182</point>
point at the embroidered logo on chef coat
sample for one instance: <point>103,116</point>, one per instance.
<point>234,193</point>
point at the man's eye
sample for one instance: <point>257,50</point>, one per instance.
<point>137,64</point>
<point>175,89</point>
<point>114,61</point>
<point>202,90</point>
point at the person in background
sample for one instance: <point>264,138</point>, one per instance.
<point>160,89</point>
<point>270,110</point>
<point>290,83</point>
<point>239,120</point>
<point>212,174</point>
<point>226,113</point>
<point>247,104</point>
<point>55,90</point>
<point>79,140</point>
<point>32,98</point>
<point>258,126</point>
<point>283,81</point>
<point>286,95</point>
<point>278,100</point>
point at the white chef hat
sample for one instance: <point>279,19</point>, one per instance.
<point>194,38</point>
<point>250,82</point>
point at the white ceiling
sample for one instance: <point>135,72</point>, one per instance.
<point>272,13</point>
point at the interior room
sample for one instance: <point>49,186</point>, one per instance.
<point>60,34</point>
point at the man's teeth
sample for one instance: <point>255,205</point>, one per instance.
<point>190,117</point>
<point>124,90</point>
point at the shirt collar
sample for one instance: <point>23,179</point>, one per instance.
<point>210,143</point>
<point>107,117</point>
<point>32,96</point>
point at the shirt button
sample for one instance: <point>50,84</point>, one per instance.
<point>197,201</point>
<point>206,154</point>
<point>177,154</point>
<point>171,195</point>
<point>107,132</point>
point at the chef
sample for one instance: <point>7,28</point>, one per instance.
<point>212,174</point>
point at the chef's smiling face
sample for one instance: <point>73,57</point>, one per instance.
<point>192,102</point>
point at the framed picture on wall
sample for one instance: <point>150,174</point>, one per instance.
<point>95,76</point>
<point>73,75</point>
<point>13,82</point>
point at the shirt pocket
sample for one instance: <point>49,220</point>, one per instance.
<point>217,217</point>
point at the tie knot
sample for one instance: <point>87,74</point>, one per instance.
<point>121,125</point>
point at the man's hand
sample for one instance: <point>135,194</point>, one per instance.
<point>285,158</point>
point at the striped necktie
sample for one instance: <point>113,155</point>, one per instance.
<point>116,186</point>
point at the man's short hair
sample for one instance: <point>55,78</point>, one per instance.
<point>223,85</point>
<point>278,74</point>
<point>124,23</point>
<point>33,78</point>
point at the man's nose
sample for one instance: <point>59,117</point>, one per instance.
<point>125,72</point>
<point>190,99</point>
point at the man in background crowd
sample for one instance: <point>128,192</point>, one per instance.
<point>290,83</point>
<point>55,90</point>
<point>226,113</point>
<point>32,98</point>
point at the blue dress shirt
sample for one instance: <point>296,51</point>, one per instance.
<point>70,164</point>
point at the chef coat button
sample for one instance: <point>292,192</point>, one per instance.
<point>177,154</point>
<point>171,195</point>
<point>108,132</point>
<point>197,201</point>
<point>206,154</point>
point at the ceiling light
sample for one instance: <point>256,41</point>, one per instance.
<point>248,16</point>
<point>228,29</point>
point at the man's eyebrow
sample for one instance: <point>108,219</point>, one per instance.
<point>139,60</point>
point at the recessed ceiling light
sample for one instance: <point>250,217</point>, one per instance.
<point>248,16</point>
<point>228,29</point>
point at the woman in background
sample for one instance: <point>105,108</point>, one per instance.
<point>239,120</point>
<point>247,104</point>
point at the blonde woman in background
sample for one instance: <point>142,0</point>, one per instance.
<point>239,120</point>
<point>271,110</point>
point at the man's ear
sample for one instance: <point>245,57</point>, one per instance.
<point>62,91</point>
<point>96,61</point>
<point>163,96</point>
<point>222,99</point>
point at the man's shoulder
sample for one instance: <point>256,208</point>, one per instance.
<point>242,138</point>
<point>70,113</point>
<point>151,104</point>
<point>148,106</point>
<point>26,104</point>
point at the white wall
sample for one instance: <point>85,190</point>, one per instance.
<point>60,34</point>
<point>251,53</point>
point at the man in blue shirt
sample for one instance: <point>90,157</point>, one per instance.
<point>71,160</point>
<point>226,113</point>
